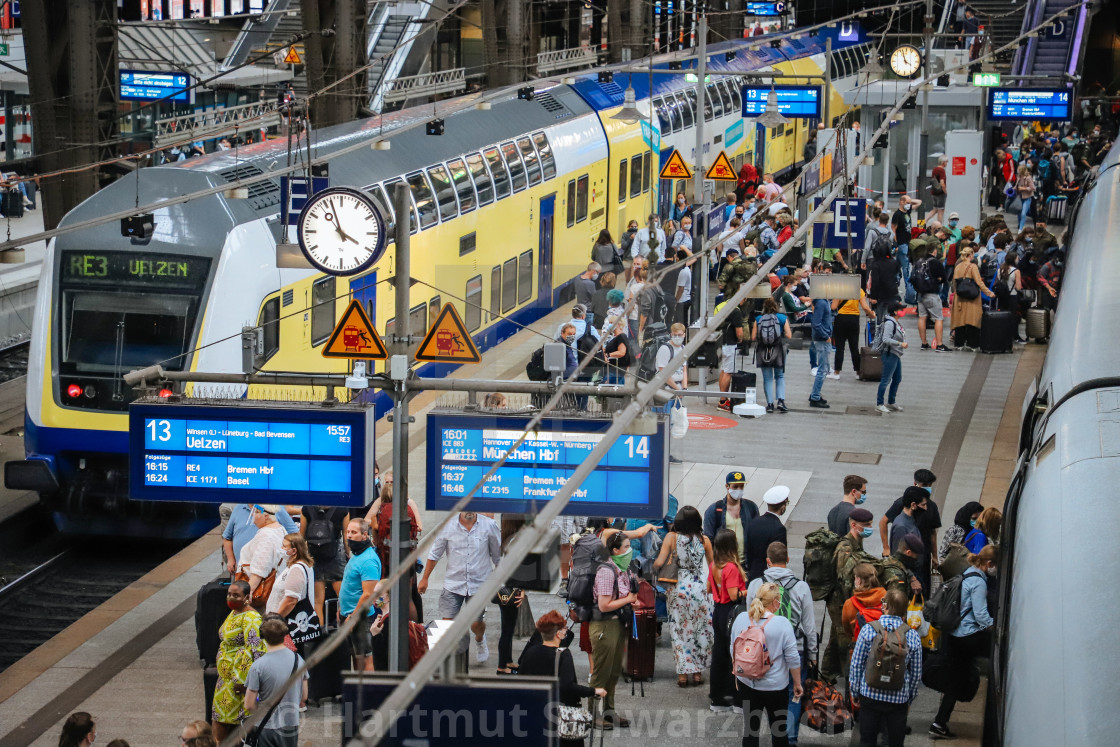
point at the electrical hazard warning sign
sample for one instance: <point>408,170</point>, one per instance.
<point>354,337</point>
<point>675,167</point>
<point>448,340</point>
<point>292,58</point>
<point>722,169</point>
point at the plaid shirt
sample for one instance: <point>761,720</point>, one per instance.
<point>858,684</point>
<point>769,239</point>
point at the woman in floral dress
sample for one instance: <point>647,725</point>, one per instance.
<point>690,606</point>
<point>241,645</point>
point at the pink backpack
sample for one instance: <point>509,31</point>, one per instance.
<point>750,657</point>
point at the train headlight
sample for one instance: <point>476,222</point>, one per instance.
<point>90,391</point>
<point>74,390</point>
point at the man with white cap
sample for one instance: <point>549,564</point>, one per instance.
<point>765,529</point>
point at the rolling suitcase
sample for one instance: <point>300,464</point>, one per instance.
<point>209,613</point>
<point>12,203</point>
<point>998,330</point>
<point>641,647</point>
<point>1038,323</point>
<point>325,679</point>
<point>870,365</point>
<point>1056,208</point>
<point>209,685</point>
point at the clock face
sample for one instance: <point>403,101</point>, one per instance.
<point>906,60</point>
<point>341,232</point>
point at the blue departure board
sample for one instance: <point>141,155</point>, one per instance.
<point>1030,104</point>
<point>630,482</point>
<point>141,85</point>
<point>793,101</point>
<point>315,456</point>
<point>765,9</point>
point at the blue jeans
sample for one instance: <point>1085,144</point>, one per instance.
<point>904,266</point>
<point>770,375</point>
<point>1024,211</point>
<point>824,367</point>
<point>892,374</point>
<point>812,356</point>
<point>793,723</point>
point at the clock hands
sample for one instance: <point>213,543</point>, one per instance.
<point>338,226</point>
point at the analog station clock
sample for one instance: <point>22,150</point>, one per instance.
<point>906,60</point>
<point>341,231</point>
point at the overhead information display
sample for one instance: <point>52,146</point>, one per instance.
<point>793,101</point>
<point>242,454</point>
<point>765,9</point>
<point>140,85</point>
<point>629,482</point>
<point>115,268</point>
<point>1051,104</point>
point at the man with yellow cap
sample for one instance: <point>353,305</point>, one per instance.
<point>733,512</point>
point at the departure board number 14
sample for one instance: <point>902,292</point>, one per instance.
<point>639,446</point>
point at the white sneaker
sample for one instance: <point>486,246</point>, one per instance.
<point>483,652</point>
<point>883,409</point>
<point>812,372</point>
<point>894,408</point>
<point>737,709</point>
<point>719,708</point>
<point>833,375</point>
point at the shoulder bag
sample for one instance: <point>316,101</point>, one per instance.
<point>573,722</point>
<point>670,572</point>
<point>968,289</point>
<point>303,621</point>
<point>254,736</point>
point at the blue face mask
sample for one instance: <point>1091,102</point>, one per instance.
<point>865,532</point>
<point>862,499</point>
<point>972,523</point>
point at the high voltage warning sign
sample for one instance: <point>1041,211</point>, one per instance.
<point>675,167</point>
<point>292,57</point>
<point>354,337</point>
<point>448,340</point>
<point>722,169</point>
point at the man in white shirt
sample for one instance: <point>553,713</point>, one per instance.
<point>684,290</point>
<point>641,246</point>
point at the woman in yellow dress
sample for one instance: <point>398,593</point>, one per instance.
<point>240,646</point>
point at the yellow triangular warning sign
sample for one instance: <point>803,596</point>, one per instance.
<point>448,340</point>
<point>292,57</point>
<point>722,169</point>
<point>354,337</point>
<point>675,167</point>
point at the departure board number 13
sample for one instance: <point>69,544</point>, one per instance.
<point>161,430</point>
<point>639,446</point>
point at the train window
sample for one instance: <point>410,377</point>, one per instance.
<point>728,106</point>
<point>647,163</point>
<point>636,175</point>
<point>445,191</point>
<point>269,321</point>
<point>622,180</point>
<point>707,105</point>
<point>509,284</point>
<point>463,186</point>
<point>498,171</point>
<point>481,176</point>
<point>322,310</point>
<point>662,115</point>
<point>736,95</point>
<point>674,114</point>
<point>422,196</point>
<point>571,202</point>
<point>516,168</point>
<point>581,199</point>
<point>690,96</point>
<point>529,155</point>
<point>390,191</point>
<point>472,314</point>
<point>525,276</point>
<point>467,244</point>
<point>418,319</point>
<point>433,311</point>
<point>495,291</point>
<point>685,109</point>
<point>717,102</point>
<point>548,163</point>
<point>377,192</point>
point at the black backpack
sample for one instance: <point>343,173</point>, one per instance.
<point>588,554</point>
<point>320,528</point>
<point>647,364</point>
<point>943,610</point>
<point>534,369</point>
<point>921,278</point>
<point>881,244</point>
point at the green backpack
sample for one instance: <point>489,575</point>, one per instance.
<point>820,565</point>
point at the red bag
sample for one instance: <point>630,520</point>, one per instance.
<point>824,706</point>
<point>864,615</point>
<point>417,643</point>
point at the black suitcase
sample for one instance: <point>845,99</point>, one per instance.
<point>870,365</point>
<point>743,380</point>
<point>209,685</point>
<point>325,679</point>
<point>640,648</point>
<point>998,330</point>
<point>210,612</point>
<point>12,203</point>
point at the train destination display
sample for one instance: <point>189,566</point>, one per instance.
<point>1052,104</point>
<point>242,454</point>
<point>793,101</point>
<point>629,482</point>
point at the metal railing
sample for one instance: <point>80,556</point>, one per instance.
<point>426,84</point>
<point>204,125</point>
<point>565,59</point>
<point>254,33</point>
<point>392,67</point>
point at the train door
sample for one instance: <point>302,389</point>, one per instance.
<point>544,255</point>
<point>760,149</point>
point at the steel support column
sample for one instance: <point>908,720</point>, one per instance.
<point>335,47</point>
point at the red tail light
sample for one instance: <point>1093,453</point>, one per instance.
<point>74,391</point>
<point>165,393</point>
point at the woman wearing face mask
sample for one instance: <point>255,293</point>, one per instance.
<point>605,252</point>
<point>681,208</point>
<point>615,592</point>
<point>627,248</point>
<point>665,353</point>
<point>963,522</point>
<point>690,606</point>
<point>240,646</point>
<point>986,531</point>
<point>969,640</point>
<point>293,584</point>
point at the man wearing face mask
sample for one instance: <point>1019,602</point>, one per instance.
<point>665,353</point>
<point>900,222</point>
<point>846,557</point>
<point>359,580</point>
<point>733,512</point>
<point>649,241</point>
<point>765,529</point>
<point>953,227</point>
<point>473,546</point>
<point>585,284</point>
<point>682,239</point>
<point>855,494</point>
<point>900,569</point>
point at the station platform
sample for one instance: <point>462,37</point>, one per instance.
<point>133,662</point>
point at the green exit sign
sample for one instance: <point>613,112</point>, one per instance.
<point>985,79</point>
<point>3,50</point>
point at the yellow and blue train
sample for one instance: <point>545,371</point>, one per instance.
<point>506,205</point>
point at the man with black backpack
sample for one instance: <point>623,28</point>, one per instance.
<point>885,671</point>
<point>927,278</point>
<point>322,527</point>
